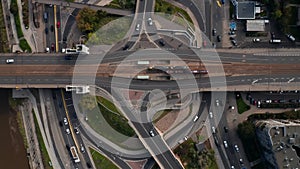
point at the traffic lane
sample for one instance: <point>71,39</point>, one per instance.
<point>195,11</point>
<point>118,82</point>
<point>68,140</point>
<point>51,34</point>
<point>149,6</point>
<point>156,144</point>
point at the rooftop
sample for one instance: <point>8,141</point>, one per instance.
<point>245,10</point>
<point>285,139</point>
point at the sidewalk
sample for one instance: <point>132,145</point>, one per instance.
<point>25,93</point>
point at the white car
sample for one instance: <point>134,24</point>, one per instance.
<point>137,28</point>
<point>225,144</point>
<point>76,130</point>
<point>256,40</point>
<point>217,102</point>
<point>47,49</point>
<point>8,61</point>
<point>65,121</point>
<point>151,133</point>
<point>195,118</point>
<point>213,129</point>
<point>236,148</point>
<point>211,115</point>
<point>150,21</point>
<point>185,138</point>
<point>68,131</point>
<point>82,148</point>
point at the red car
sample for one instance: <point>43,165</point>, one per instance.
<point>52,47</point>
<point>58,24</point>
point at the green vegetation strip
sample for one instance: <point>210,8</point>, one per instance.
<point>241,105</point>
<point>4,48</point>
<point>165,7</point>
<point>101,162</point>
<point>117,122</point>
<point>127,4</point>
<point>44,153</point>
<point>108,104</point>
<point>15,11</point>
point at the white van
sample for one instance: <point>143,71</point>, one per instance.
<point>292,38</point>
<point>275,41</point>
<point>195,118</point>
<point>8,61</point>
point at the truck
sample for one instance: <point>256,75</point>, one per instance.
<point>74,154</point>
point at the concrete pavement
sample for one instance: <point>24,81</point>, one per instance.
<point>25,93</point>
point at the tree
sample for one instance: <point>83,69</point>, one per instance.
<point>14,7</point>
<point>277,14</point>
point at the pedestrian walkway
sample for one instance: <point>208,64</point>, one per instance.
<point>25,93</point>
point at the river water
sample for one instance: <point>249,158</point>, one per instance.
<point>12,151</point>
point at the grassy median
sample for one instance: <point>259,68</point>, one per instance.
<point>241,105</point>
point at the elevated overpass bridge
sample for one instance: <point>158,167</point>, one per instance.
<point>243,70</point>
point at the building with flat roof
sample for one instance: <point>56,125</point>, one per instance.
<point>280,142</point>
<point>245,10</point>
<point>255,26</point>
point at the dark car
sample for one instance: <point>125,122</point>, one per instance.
<point>52,28</point>
<point>214,32</point>
<point>58,24</point>
<point>219,38</point>
<point>52,47</point>
<point>46,30</point>
<point>231,38</point>
<point>162,42</point>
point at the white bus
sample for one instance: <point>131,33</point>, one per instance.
<point>74,154</point>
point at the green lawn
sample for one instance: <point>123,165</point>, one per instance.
<point>25,46</point>
<point>101,161</point>
<point>108,104</point>
<point>45,155</point>
<point>241,105</point>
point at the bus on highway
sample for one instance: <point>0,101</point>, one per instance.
<point>74,154</point>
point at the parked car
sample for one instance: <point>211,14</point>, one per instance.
<point>46,30</point>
